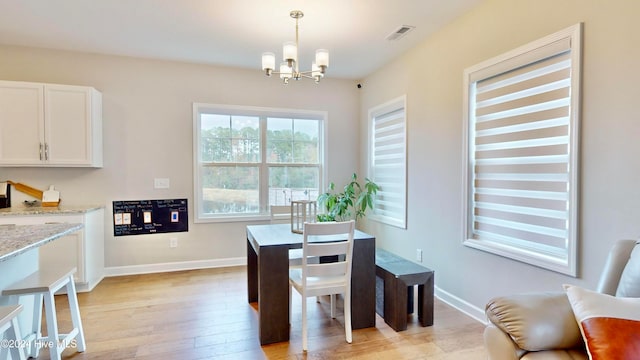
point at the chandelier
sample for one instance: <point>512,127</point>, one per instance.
<point>289,67</point>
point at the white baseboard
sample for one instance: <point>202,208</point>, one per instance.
<point>173,266</point>
<point>87,287</point>
<point>461,305</point>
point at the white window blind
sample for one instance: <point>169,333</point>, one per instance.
<point>522,153</point>
<point>388,161</point>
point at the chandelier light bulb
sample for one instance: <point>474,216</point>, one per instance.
<point>268,62</point>
<point>322,58</point>
<point>290,51</point>
<point>285,71</point>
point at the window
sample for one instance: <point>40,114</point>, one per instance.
<point>388,161</point>
<point>522,152</point>
<point>247,159</point>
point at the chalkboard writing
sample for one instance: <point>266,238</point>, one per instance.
<point>150,217</point>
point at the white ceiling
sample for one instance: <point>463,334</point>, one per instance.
<point>229,32</point>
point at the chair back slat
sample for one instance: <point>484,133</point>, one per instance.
<point>327,249</point>
<point>338,268</point>
<point>328,228</point>
<point>328,239</point>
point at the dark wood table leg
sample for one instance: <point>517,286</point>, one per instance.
<point>363,284</point>
<point>273,298</point>
<point>252,273</point>
<point>395,302</point>
<point>425,301</point>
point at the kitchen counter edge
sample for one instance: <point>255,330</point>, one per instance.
<point>59,210</point>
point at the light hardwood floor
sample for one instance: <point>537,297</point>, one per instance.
<point>204,314</point>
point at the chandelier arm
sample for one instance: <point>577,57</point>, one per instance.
<point>306,72</point>
<point>305,75</point>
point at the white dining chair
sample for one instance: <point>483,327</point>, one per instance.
<point>280,214</point>
<point>325,239</point>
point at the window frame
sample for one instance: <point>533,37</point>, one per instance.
<point>387,108</point>
<point>262,113</point>
<point>519,58</point>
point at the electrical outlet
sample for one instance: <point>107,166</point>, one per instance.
<point>419,255</point>
<point>173,242</point>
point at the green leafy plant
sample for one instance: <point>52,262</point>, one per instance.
<point>354,199</point>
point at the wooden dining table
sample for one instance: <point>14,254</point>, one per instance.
<point>268,278</point>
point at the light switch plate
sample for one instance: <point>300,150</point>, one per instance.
<point>161,183</point>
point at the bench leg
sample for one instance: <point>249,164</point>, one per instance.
<point>395,302</point>
<point>425,302</point>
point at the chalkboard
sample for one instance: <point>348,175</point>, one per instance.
<point>141,217</point>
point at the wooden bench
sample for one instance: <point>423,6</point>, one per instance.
<point>398,277</point>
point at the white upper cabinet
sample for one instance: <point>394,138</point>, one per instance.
<point>50,125</point>
<point>21,123</point>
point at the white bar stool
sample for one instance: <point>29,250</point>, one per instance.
<point>9,324</point>
<point>43,285</point>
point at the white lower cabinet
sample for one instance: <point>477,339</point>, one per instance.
<point>83,249</point>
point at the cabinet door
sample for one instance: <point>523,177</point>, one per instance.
<point>21,123</point>
<point>68,125</point>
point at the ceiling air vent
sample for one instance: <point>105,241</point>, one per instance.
<point>400,32</point>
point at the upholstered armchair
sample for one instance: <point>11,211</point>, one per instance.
<point>545,326</point>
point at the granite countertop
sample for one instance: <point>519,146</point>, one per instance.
<point>17,239</point>
<point>39,210</point>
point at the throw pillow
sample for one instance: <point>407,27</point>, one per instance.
<point>610,326</point>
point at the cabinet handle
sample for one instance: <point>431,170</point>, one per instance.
<point>41,151</point>
<point>46,151</point>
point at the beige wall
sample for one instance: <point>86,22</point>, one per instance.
<point>147,115</point>
<point>431,76</point>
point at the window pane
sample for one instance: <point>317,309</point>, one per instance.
<point>305,141</point>
<point>279,140</point>
<point>228,189</point>
<point>246,138</point>
<point>215,134</point>
<point>292,183</point>
<point>226,138</point>
<point>292,140</point>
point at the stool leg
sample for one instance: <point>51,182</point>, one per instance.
<point>4,350</point>
<point>17,352</point>
<point>74,309</point>
<point>38,302</point>
<point>34,348</point>
<point>52,326</point>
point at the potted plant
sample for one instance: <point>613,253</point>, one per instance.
<point>354,200</point>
